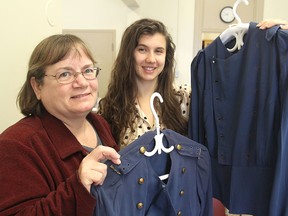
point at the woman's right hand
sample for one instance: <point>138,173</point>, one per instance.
<point>92,170</point>
<point>268,23</point>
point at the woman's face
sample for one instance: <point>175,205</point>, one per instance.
<point>68,100</point>
<point>150,55</point>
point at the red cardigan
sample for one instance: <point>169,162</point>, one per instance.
<point>39,157</point>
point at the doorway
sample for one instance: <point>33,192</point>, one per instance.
<point>102,46</point>
<point>207,22</point>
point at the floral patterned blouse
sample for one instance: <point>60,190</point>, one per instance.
<point>142,124</point>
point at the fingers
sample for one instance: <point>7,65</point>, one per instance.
<point>105,153</point>
<point>93,174</point>
<point>284,27</point>
<point>261,24</point>
<point>265,24</point>
<point>91,170</point>
<point>98,174</point>
<point>268,23</point>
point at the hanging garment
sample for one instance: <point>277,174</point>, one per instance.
<point>134,187</point>
<point>238,106</point>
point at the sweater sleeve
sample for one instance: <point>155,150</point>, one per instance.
<point>33,182</point>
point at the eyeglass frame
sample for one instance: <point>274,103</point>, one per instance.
<point>75,75</point>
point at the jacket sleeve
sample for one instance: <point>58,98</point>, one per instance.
<point>195,123</point>
<point>30,186</point>
<point>279,200</point>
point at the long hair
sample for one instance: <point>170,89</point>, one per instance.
<point>118,105</point>
<point>48,52</point>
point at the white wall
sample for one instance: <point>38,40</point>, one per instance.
<point>96,14</point>
<point>23,25</point>
<point>275,9</point>
<point>177,15</point>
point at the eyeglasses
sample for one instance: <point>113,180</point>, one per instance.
<point>65,77</point>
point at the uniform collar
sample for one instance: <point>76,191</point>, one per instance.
<point>131,155</point>
<point>271,32</point>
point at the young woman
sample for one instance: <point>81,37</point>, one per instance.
<point>144,65</point>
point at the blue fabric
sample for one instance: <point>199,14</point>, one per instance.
<point>239,112</point>
<point>189,171</point>
<point>279,198</point>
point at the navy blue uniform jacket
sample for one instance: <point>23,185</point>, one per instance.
<point>134,188</point>
<point>239,111</point>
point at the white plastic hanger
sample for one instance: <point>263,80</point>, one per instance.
<point>159,136</point>
<point>236,31</point>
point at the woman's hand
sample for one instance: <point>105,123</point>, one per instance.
<point>268,23</point>
<point>92,170</point>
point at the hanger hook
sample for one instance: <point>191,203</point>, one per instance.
<point>158,137</point>
<point>157,124</point>
<point>235,7</point>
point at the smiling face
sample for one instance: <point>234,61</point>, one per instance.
<point>68,100</point>
<point>150,55</point>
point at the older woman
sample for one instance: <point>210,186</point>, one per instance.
<point>50,158</point>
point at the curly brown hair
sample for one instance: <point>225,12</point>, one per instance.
<point>118,105</point>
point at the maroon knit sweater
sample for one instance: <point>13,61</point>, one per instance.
<point>39,157</point>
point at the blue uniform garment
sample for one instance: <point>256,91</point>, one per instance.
<point>279,199</point>
<point>238,105</point>
<point>134,187</point>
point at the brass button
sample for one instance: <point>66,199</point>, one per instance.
<point>141,181</point>
<point>183,169</point>
<point>179,213</point>
<point>179,147</point>
<point>142,150</point>
<point>181,193</point>
<point>140,205</point>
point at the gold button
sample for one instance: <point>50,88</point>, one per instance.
<point>179,147</point>
<point>183,169</point>
<point>179,213</point>
<point>140,205</point>
<point>142,150</point>
<point>141,180</point>
<point>181,193</point>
